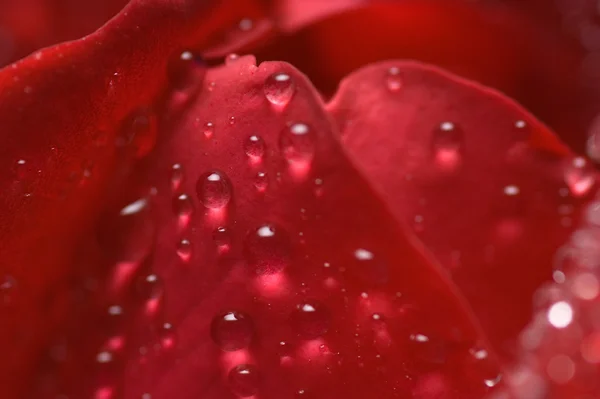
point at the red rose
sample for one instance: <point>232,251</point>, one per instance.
<point>178,227</point>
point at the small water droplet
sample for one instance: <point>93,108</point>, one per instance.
<point>182,205</point>
<point>185,69</point>
<point>243,380</point>
<point>167,336</point>
<point>370,268</point>
<point>184,250</point>
<point>232,330</point>
<point>254,147</point>
<point>150,286</point>
<point>7,289</point>
<point>214,189</point>
<point>297,143</point>
<point>231,58</point>
<point>318,187</point>
<point>209,129</point>
<point>232,120</point>
<point>579,176</point>
<point>261,182</point>
<point>310,320</point>
<point>222,238</point>
<point>267,249</point>
<point>176,176</point>
<point>447,145</point>
<point>279,89</point>
<point>394,79</point>
<point>139,131</point>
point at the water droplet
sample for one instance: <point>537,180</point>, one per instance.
<point>176,176</point>
<point>209,129</point>
<point>150,286</point>
<point>268,249</point>
<point>579,176</point>
<point>231,58</point>
<point>232,120</point>
<point>318,187</point>
<point>254,147</point>
<point>370,268</point>
<point>310,320</point>
<point>222,238</point>
<point>185,69</point>
<point>7,289</point>
<point>214,189</point>
<point>243,380</point>
<point>261,182</point>
<point>279,89</point>
<point>447,145</point>
<point>394,79</point>
<point>184,250</point>
<point>139,131</point>
<point>297,143</point>
<point>182,205</point>
<point>232,331</point>
<point>167,336</point>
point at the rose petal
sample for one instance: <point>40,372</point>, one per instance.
<point>61,112</point>
<point>306,255</point>
<point>486,187</point>
<point>28,25</point>
<point>544,70</point>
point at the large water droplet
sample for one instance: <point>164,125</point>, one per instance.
<point>394,79</point>
<point>279,89</point>
<point>254,147</point>
<point>268,249</point>
<point>243,380</point>
<point>579,176</point>
<point>167,336</point>
<point>447,145</point>
<point>214,189</point>
<point>232,331</point>
<point>297,143</point>
<point>310,320</point>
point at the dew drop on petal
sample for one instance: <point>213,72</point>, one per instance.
<point>310,320</point>
<point>254,147</point>
<point>231,58</point>
<point>394,79</point>
<point>279,89</point>
<point>297,143</point>
<point>182,205</point>
<point>176,176</point>
<point>447,145</point>
<point>184,250</point>
<point>267,249</point>
<point>243,380</point>
<point>222,238</point>
<point>167,336</point>
<point>232,330</point>
<point>579,176</point>
<point>261,182</point>
<point>209,129</point>
<point>214,189</point>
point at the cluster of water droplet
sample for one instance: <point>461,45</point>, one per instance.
<point>561,345</point>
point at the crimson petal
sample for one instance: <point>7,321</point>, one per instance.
<point>490,190</point>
